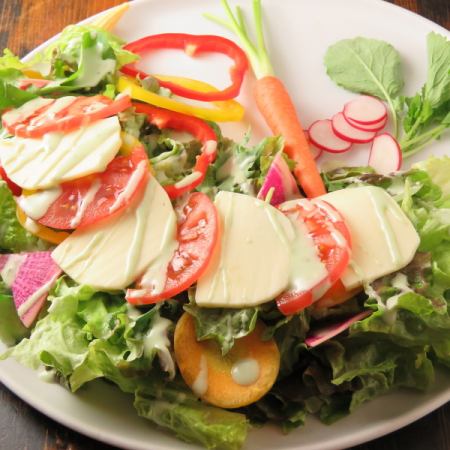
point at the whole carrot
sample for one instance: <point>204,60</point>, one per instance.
<point>273,100</point>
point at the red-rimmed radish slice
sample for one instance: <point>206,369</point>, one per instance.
<point>385,154</point>
<point>365,110</point>
<point>315,151</point>
<point>329,332</point>
<point>347,132</point>
<point>377,126</point>
<point>322,136</point>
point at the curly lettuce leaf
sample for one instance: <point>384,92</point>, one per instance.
<point>240,167</point>
<point>223,325</point>
<point>13,237</point>
<point>170,406</point>
<point>10,95</point>
<point>12,329</point>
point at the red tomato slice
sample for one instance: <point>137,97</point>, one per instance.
<point>72,115</point>
<point>197,235</point>
<point>333,242</point>
<point>16,190</point>
<point>25,83</point>
<point>88,200</point>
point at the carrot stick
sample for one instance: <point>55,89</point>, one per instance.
<point>275,105</point>
<point>273,100</point>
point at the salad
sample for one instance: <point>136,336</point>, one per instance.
<point>222,284</point>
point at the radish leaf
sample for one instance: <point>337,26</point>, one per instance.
<point>367,66</point>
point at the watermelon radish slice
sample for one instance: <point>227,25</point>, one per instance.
<point>30,276</point>
<point>329,332</point>
<point>365,110</point>
<point>377,126</point>
<point>322,136</point>
<point>280,179</point>
<point>385,154</point>
<point>347,132</point>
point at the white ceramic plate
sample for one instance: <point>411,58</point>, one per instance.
<point>298,33</point>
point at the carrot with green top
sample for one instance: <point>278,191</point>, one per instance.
<point>273,100</point>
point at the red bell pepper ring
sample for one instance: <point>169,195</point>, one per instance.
<point>163,118</point>
<point>192,45</point>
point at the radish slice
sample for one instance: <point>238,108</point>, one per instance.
<point>365,110</point>
<point>326,333</point>
<point>349,133</point>
<point>385,154</point>
<point>30,276</point>
<point>280,179</point>
<point>322,135</point>
<point>377,126</point>
<point>315,151</point>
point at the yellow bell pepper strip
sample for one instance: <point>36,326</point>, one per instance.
<point>108,20</point>
<point>225,111</point>
<point>193,45</point>
<point>45,233</point>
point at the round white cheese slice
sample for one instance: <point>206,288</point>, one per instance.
<point>251,263</point>
<point>58,157</point>
<point>113,254</point>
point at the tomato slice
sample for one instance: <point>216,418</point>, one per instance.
<point>197,235</point>
<point>330,234</point>
<point>61,115</point>
<point>88,200</point>
<point>16,190</point>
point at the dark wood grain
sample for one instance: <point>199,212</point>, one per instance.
<point>23,25</point>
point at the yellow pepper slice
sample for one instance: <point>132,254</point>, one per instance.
<point>49,235</point>
<point>224,111</point>
<point>109,19</point>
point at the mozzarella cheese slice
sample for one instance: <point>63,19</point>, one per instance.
<point>113,254</point>
<point>383,238</point>
<point>58,157</point>
<point>251,263</point>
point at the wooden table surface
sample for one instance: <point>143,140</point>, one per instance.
<point>23,25</point>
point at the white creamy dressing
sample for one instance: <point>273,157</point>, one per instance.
<point>59,157</point>
<point>114,255</point>
<point>186,181</point>
<point>36,205</point>
<point>51,112</point>
<point>33,298</point>
<point>378,199</point>
<point>31,226</point>
<point>157,339</point>
<point>130,188</point>
<point>26,110</point>
<point>200,385</point>
<point>95,68</point>
<point>85,202</point>
<point>245,371</point>
<point>307,269</point>
<point>11,268</point>
<point>389,308</point>
<point>155,275</point>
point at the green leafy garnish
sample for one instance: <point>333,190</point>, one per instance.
<point>373,67</point>
<point>369,66</point>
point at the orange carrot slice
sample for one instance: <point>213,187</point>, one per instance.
<point>237,379</point>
